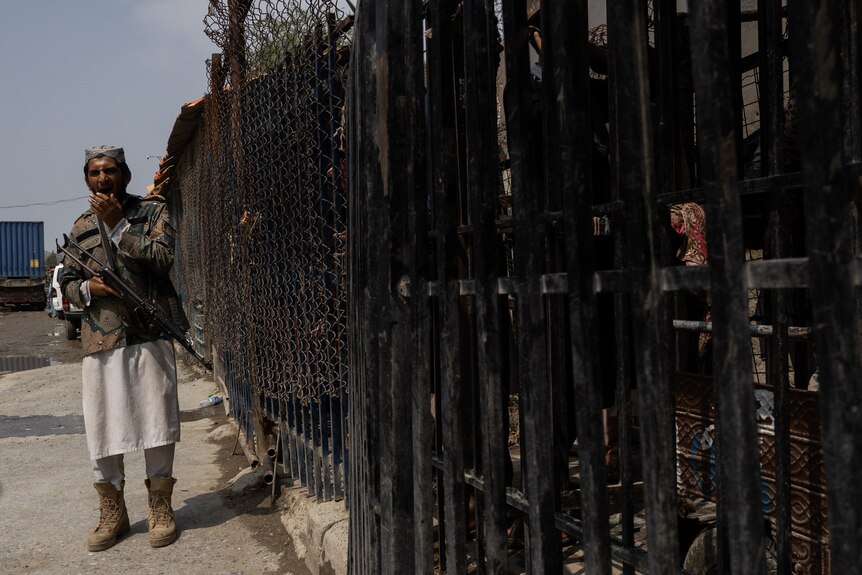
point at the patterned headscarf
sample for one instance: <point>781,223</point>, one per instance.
<point>689,221</point>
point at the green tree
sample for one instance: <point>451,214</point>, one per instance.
<point>268,37</point>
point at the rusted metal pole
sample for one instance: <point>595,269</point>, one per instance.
<point>242,439</point>
<point>268,471</point>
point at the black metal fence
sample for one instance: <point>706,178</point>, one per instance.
<point>260,196</point>
<point>549,368</point>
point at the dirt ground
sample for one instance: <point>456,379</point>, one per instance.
<point>227,525</point>
<point>36,334</point>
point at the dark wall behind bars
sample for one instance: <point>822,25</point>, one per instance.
<point>600,304</point>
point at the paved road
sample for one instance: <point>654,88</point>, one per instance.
<point>47,501</point>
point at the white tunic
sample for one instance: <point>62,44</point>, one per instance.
<point>130,398</point>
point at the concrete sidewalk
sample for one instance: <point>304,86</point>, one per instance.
<point>48,505</point>
<point>318,531</point>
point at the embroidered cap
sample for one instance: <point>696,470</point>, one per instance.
<point>110,151</point>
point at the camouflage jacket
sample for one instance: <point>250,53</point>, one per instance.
<point>143,258</point>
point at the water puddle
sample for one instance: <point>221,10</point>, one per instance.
<point>11,364</point>
<point>14,426</point>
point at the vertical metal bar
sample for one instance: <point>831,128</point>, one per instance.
<point>622,337</point>
<point>340,403</point>
<point>421,308</point>
<point>771,86</point>
<point>325,450</point>
<point>308,446</point>
<point>344,412</point>
<point>739,473</point>
<point>336,426</point>
<point>365,536</point>
<point>423,427</point>
<point>665,56</point>
<point>537,444</point>
<point>299,435</point>
<point>316,447</point>
<point>566,61</point>
<point>446,204</point>
<point>625,414</point>
<point>292,435</point>
<point>633,149</point>
<point>777,378</point>
<point>679,96</point>
<point>323,189</point>
<point>400,149</point>
<point>850,50</point>
<point>558,318</point>
<point>437,368</point>
<point>284,429</point>
<point>271,408</point>
<point>816,65</point>
<point>770,21</point>
<point>283,434</point>
<point>560,380</point>
<point>731,16</point>
<point>483,179</point>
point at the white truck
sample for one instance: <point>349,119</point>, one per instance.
<point>62,308</point>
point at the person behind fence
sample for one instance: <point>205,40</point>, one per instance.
<point>129,375</point>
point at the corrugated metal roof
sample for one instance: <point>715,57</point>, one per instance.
<point>185,126</point>
<point>184,129</point>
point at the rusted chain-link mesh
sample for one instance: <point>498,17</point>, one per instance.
<point>263,190</point>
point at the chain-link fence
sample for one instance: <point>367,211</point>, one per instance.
<point>260,196</point>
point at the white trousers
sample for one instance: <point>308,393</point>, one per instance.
<point>159,463</point>
<point>130,398</point>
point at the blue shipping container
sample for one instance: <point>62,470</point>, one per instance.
<point>22,249</point>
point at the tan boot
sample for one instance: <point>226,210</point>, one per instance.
<point>113,518</point>
<point>160,519</point>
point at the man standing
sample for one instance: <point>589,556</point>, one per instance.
<point>129,374</point>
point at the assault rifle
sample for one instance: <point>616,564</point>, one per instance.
<point>147,313</point>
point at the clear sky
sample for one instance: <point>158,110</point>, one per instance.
<point>79,73</point>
